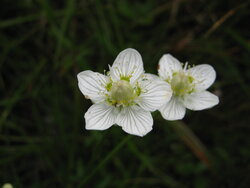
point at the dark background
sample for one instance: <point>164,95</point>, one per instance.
<point>44,44</point>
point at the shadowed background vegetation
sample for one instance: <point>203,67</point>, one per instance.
<point>44,44</point>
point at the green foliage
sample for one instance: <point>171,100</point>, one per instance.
<point>44,44</point>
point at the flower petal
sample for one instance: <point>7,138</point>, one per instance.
<point>153,94</point>
<point>100,117</point>
<point>204,76</point>
<point>134,120</point>
<point>173,110</point>
<point>168,65</point>
<point>200,100</point>
<point>127,64</point>
<point>150,76</point>
<point>92,85</point>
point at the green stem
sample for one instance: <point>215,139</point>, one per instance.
<point>105,160</point>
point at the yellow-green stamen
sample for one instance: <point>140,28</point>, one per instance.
<point>122,93</point>
<point>182,83</point>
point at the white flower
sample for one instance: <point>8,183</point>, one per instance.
<point>188,85</point>
<point>7,185</point>
<point>125,96</point>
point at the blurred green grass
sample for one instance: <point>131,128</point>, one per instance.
<point>44,44</point>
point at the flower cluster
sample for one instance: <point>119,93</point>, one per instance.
<point>126,95</point>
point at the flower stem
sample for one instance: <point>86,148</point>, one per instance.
<point>105,160</point>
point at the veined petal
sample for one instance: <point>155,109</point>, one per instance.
<point>200,100</point>
<point>168,65</point>
<point>134,120</point>
<point>173,110</point>
<point>92,85</point>
<point>150,76</point>
<point>153,94</point>
<point>204,76</point>
<point>128,64</point>
<point>100,116</point>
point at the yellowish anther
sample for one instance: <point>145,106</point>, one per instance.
<point>182,84</point>
<point>122,92</point>
<point>126,78</point>
<point>108,86</point>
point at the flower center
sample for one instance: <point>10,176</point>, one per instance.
<point>122,93</point>
<point>182,84</point>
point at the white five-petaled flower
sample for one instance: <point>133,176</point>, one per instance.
<point>125,96</point>
<point>188,85</point>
